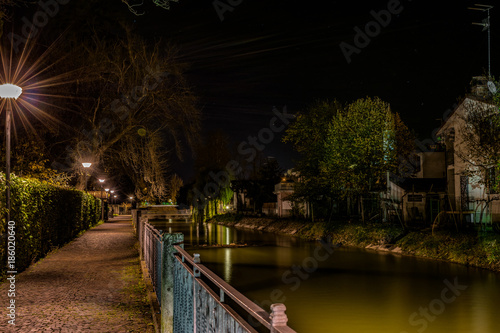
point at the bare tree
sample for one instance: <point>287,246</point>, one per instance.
<point>134,6</point>
<point>478,146</point>
<point>175,184</point>
<point>5,6</point>
<point>480,140</point>
<point>138,110</point>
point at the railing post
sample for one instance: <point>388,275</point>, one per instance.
<point>196,274</point>
<point>278,316</point>
<point>167,281</point>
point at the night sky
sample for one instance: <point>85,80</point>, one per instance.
<point>276,53</point>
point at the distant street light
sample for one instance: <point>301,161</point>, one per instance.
<point>8,91</point>
<point>101,180</point>
<point>86,165</point>
<point>107,190</point>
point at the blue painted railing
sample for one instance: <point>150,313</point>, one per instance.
<point>193,298</point>
<point>153,252</point>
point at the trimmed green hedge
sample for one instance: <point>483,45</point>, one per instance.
<point>45,216</point>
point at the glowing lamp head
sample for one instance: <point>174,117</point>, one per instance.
<point>10,91</point>
<point>101,180</point>
<point>112,191</point>
<point>106,189</point>
<point>86,165</point>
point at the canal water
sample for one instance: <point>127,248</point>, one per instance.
<point>347,289</point>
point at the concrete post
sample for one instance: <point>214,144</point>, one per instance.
<point>278,316</point>
<point>167,281</point>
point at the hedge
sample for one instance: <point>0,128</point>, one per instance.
<point>45,216</point>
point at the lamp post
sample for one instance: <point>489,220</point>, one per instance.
<point>111,201</point>
<point>86,165</point>
<point>106,203</point>
<point>131,203</point>
<point>101,180</point>
<point>8,91</point>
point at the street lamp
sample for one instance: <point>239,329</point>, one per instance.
<point>8,91</point>
<point>107,190</point>
<point>86,165</point>
<point>101,180</point>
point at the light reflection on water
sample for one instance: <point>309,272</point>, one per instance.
<point>351,290</point>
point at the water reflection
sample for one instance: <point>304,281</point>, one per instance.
<point>350,290</point>
<point>196,235</point>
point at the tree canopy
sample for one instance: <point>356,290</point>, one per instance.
<point>347,150</point>
<point>308,134</point>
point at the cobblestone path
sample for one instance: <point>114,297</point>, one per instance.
<point>92,284</point>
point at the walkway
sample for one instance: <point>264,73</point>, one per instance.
<point>92,284</point>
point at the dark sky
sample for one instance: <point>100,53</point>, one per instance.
<point>277,52</point>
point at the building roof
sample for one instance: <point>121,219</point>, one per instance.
<point>452,115</point>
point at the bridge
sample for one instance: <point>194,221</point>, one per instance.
<point>161,212</point>
<point>191,297</point>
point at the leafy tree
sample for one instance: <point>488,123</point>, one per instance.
<point>308,134</point>
<point>30,159</point>
<point>361,147</point>
<point>346,151</point>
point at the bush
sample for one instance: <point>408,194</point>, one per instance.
<point>46,217</point>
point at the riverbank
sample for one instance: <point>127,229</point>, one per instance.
<point>471,249</point>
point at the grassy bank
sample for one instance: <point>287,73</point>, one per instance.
<point>473,249</point>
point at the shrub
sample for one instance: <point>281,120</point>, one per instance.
<point>45,216</point>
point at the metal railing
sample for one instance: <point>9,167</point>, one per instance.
<point>209,307</point>
<point>193,298</point>
<point>152,249</point>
